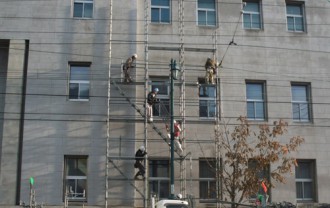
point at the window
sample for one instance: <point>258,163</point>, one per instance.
<point>207,178</point>
<point>301,102</point>
<point>79,82</point>
<point>255,98</point>
<point>159,181</point>
<point>162,108</point>
<point>207,100</point>
<point>305,180</point>
<point>295,17</point>
<point>160,11</point>
<point>83,8</point>
<point>251,15</point>
<point>75,177</point>
<point>206,12</point>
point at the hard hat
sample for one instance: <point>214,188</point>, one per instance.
<point>142,148</point>
<point>174,121</point>
<point>156,90</point>
<point>134,55</point>
<point>179,196</point>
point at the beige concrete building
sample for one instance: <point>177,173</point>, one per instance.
<point>71,124</point>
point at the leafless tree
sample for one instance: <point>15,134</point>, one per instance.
<point>242,146</point>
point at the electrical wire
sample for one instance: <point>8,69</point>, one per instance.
<point>130,42</point>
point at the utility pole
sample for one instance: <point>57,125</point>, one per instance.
<point>174,76</point>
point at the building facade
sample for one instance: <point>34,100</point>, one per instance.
<point>72,124</point>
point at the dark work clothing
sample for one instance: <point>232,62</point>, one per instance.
<point>139,157</point>
<point>151,99</point>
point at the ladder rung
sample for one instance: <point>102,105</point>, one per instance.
<point>139,111</point>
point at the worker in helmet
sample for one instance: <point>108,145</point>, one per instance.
<point>151,100</point>
<point>127,68</point>
<point>177,143</point>
<point>211,70</point>
<point>139,157</point>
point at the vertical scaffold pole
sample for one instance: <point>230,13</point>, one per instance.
<point>217,125</point>
<point>146,59</point>
<point>182,95</point>
<point>108,110</point>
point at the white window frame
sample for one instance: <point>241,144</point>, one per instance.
<point>311,180</point>
<point>79,82</point>
<point>83,2</point>
<point>159,180</point>
<point>255,101</point>
<point>162,97</point>
<point>206,10</point>
<point>160,8</point>
<point>208,100</point>
<point>251,13</point>
<point>294,16</point>
<point>71,191</point>
<point>302,103</point>
<point>207,180</point>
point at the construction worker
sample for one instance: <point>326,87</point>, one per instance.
<point>127,68</point>
<point>211,70</point>
<point>177,143</point>
<point>139,157</point>
<point>151,100</point>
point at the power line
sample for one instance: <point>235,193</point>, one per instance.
<point>159,63</point>
<point>123,41</point>
<point>137,20</point>
<point>240,80</point>
<point>206,122</point>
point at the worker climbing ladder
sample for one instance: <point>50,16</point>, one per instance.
<point>164,115</point>
<point>141,111</point>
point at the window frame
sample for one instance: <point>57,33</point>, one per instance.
<point>81,82</point>
<point>301,5</point>
<point>251,13</point>
<point>209,181</point>
<point>255,101</point>
<point>164,98</point>
<point>83,2</point>
<point>159,182</point>
<point>207,11</point>
<point>307,102</point>
<point>160,10</point>
<point>208,99</point>
<point>312,170</point>
<point>78,197</point>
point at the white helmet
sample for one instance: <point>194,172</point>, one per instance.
<point>142,148</point>
<point>174,121</point>
<point>179,196</point>
<point>134,55</point>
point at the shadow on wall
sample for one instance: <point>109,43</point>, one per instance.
<point>4,48</point>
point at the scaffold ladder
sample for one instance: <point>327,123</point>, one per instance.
<point>140,111</point>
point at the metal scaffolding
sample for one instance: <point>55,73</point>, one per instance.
<point>141,110</point>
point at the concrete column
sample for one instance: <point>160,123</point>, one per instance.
<point>10,112</point>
